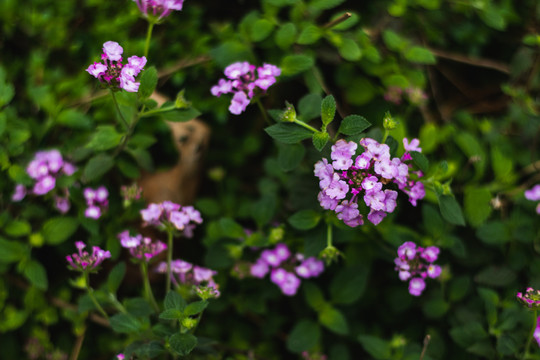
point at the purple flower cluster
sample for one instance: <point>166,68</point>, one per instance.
<point>113,73</point>
<point>348,178</point>
<point>415,264</point>
<point>159,8</point>
<point>44,169</point>
<point>533,194</point>
<point>183,272</point>
<point>84,261</point>
<point>285,269</point>
<point>97,201</point>
<point>167,213</point>
<point>242,80</point>
<point>530,299</point>
<point>142,248</point>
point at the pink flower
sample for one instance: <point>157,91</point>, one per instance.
<point>113,50</point>
<point>416,286</point>
<point>412,146</point>
<point>239,103</point>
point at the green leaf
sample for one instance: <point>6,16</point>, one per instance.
<point>309,106</point>
<point>11,251</point>
<point>149,350</point>
<point>286,35</point>
<point>104,138</point>
<point>348,285</point>
<point>115,277</point>
<point>353,125</point>
<point>19,175</point>
<point>435,308</point>
<point>125,323</point>
<point>450,210</point>
<point>314,296</point>
<point>97,166</point>
<point>375,346</point>
<point>290,156</point>
<point>182,344</point>
<point>304,219</point>
<point>173,300</point>
<point>496,276</point>
<point>304,336</point>
<point>261,29</point>
<point>17,228</point>
<point>420,55</point>
<point>74,119</point>
<point>180,115</point>
<point>138,307</point>
<point>195,308</point>
<point>171,314</point>
<point>320,139</point>
<point>494,233</point>
<point>309,35</point>
<point>328,110</point>
<point>468,334</point>
<point>288,133</point>
<point>393,41</point>
<point>294,64</point>
<point>148,79</point>
<point>325,4</point>
<point>350,50</point>
<point>420,160</point>
<point>334,320</point>
<point>477,203</point>
<point>143,158</point>
<point>143,141</point>
<point>36,274</point>
<point>231,229</point>
<point>58,229</point>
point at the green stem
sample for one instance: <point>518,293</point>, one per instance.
<point>147,288</point>
<point>263,111</point>
<point>303,124</point>
<point>169,260</point>
<point>118,110</point>
<point>148,37</point>
<point>156,111</point>
<point>386,133</point>
<point>329,242</point>
<point>531,334</point>
<point>92,297</point>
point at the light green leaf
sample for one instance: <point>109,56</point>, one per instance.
<point>450,210</point>
<point>97,166</point>
<point>58,229</point>
<point>304,219</point>
<point>115,277</point>
<point>104,138</point>
<point>294,64</point>
<point>182,344</point>
<point>375,346</point>
<point>180,115</point>
<point>11,251</point>
<point>328,110</point>
<point>173,300</point>
<point>420,55</point>
<point>350,50</point>
<point>195,308</point>
<point>16,228</point>
<point>334,320</point>
<point>309,35</point>
<point>261,29</point>
<point>36,274</point>
<point>420,160</point>
<point>320,139</point>
<point>288,133</point>
<point>148,79</point>
<point>125,323</point>
<point>286,35</point>
<point>477,203</point>
<point>353,125</point>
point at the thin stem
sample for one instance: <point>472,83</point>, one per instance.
<point>147,288</point>
<point>169,260</point>
<point>303,124</point>
<point>263,111</point>
<point>148,37</point>
<point>92,297</point>
<point>156,111</point>
<point>118,109</point>
<point>427,339</point>
<point>386,133</point>
<point>329,242</point>
<point>77,346</point>
<point>531,334</point>
<point>339,20</point>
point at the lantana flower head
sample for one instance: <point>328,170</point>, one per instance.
<point>242,79</point>
<point>415,264</point>
<point>113,73</point>
<point>141,248</point>
<point>85,261</point>
<point>45,168</point>
<point>530,299</point>
<point>96,200</point>
<point>285,269</point>
<point>183,272</point>
<point>168,214</point>
<point>159,8</point>
<point>349,179</point>
<point>533,194</point>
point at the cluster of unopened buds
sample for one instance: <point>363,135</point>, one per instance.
<point>167,214</point>
<point>85,261</point>
<point>368,176</point>
<point>130,193</point>
<point>158,8</point>
<point>113,73</point>
<point>415,264</point>
<point>530,299</point>
<point>286,269</point>
<point>183,272</point>
<point>97,201</point>
<point>140,247</point>
<point>242,80</point>
<point>533,194</point>
<point>44,169</point>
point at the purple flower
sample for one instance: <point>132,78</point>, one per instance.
<point>407,251</point>
<point>412,146</point>
<point>84,261</point>
<point>533,194</point>
<point>113,51</point>
<point>536,334</point>
<point>19,193</point>
<point>342,152</point>
<point>159,8</point>
<point>97,69</point>
<point>433,271</point>
<point>259,269</point>
<point>168,214</point>
<point>44,185</point>
<point>242,80</point>
<point>416,286</point>
<point>62,204</point>
<point>152,214</point>
<point>311,267</point>
<point>97,201</point>
<point>290,284</point>
<point>430,253</point>
<point>201,274</point>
